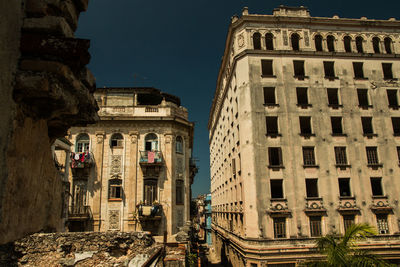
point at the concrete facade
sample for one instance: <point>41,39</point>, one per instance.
<point>138,173</point>
<point>304,135</point>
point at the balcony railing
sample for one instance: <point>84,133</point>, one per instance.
<point>151,157</point>
<point>79,213</point>
<point>81,160</point>
<point>149,212</point>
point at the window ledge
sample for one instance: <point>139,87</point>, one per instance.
<point>379,197</point>
<point>360,78</point>
<point>117,147</point>
<point>370,135</point>
<point>395,107</point>
<point>339,134</point>
<point>273,135</point>
<point>271,105</point>
<point>313,198</point>
<point>307,135</point>
<point>331,78</point>
<point>114,199</point>
<point>278,199</point>
<point>343,166</point>
<point>311,166</point>
<point>179,204</point>
<point>346,197</point>
<point>300,77</point>
<point>365,106</point>
<point>276,167</point>
<point>375,165</point>
<point>304,106</point>
<point>335,106</point>
<point>267,76</point>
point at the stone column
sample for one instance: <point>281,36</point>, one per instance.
<point>131,180</point>
<point>167,197</point>
<point>98,150</point>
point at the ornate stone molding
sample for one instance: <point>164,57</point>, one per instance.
<point>100,137</point>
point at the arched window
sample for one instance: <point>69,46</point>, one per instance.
<point>150,191</point>
<point>115,188</point>
<point>347,44</point>
<point>269,41</point>
<point>376,44</point>
<point>117,141</point>
<point>359,44</point>
<point>295,39</point>
<point>330,41</point>
<point>388,45</point>
<point>82,143</point>
<point>151,142</point>
<point>179,192</point>
<point>179,144</point>
<point>318,42</point>
<point>257,41</point>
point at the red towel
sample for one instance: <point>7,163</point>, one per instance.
<point>150,157</point>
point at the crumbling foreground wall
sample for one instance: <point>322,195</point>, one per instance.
<point>80,249</point>
<point>45,88</point>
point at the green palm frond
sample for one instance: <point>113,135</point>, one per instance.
<point>356,232</point>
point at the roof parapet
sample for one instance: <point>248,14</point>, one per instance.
<point>286,11</point>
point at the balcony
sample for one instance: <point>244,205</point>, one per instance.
<point>314,205</point>
<point>81,160</point>
<point>150,214</point>
<point>151,157</point>
<point>79,213</point>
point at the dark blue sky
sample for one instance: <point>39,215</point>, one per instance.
<point>177,46</point>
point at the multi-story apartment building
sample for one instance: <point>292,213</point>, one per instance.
<point>132,170</point>
<point>304,135</point>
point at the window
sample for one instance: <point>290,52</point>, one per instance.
<point>348,220</point>
<point>298,66</point>
<point>388,45</point>
<point>179,192</point>
<point>347,44</point>
<point>340,155</point>
<point>302,96</point>
<point>269,96</point>
<point>382,222</point>
<point>275,156</point>
<point>362,97</point>
<point>387,71</point>
<point>372,155</point>
<point>257,41</point>
<point>398,154</point>
<point>376,44</point>
<point>392,98</point>
<point>358,70</point>
<point>269,41</point>
<point>312,187</point>
<point>279,227</point>
<point>315,226</point>
<point>396,125</point>
<point>336,123</point>
<point>359,44</point>
<point>272,125</point>
<point>344,187</point>
<point>376,185</point>
<point>318,42</point>
<point>150,191</point>
<point>116,141</point>
<point>367,125</point>
<point>329,69</point>
<point>305,125</point>
<point>333,98</point>
<point>82,143</point>
<point>115,188</point>
<point>330,41</point>
<point>151,142</point>
<point>179,144</point>
<point>266,67</point>
<point>295,41</point>
<point>276,188</point>
<point>308,156</point>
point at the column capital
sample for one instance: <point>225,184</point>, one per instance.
<point>168,137</point>
<point>134,136</point>
<point>100,136</point>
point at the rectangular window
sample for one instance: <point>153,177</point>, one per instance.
<point>396,125</point>
<point>269,96</point>
<point>308,156</point>
<point>279,227</point>
<point>312,187</point>
<point>344,187</point>
<point>358,70</point>
<point>329,69</point>
<point>392,98</point>
<point>298,66</point>
<point>398,154</point>
<point>382,222</point>
<point>315,226</point>
<point>275,156</point>
<point>272,125</point>
<point>333,98</point>
<point>376,186</point>
<point>266,67</point>
<point>387,71</point>
<point>340,155</point>
<point>302,96</point>
<point>336,123</point>
<point>348,220</point>
<point>150,191</point>
<point>276,188</point>
<point>367,125</point>
<point>372,155</point>
<point>305,125</point>
<point>362,97</point>
<point>179,192</point>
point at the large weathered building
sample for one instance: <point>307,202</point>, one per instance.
<point>304,135</point>
<point>132,170</point>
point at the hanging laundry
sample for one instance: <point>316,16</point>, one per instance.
<point>76,156</point>
<point>82,157</point>
<point>150,156</point>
